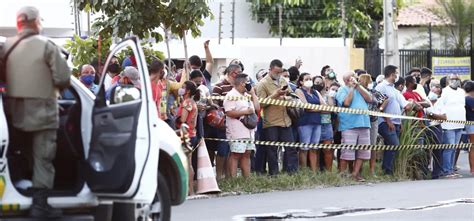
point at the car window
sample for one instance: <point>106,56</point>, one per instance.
<point>121,81</point>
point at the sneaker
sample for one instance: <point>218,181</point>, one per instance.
<point>358,178</point>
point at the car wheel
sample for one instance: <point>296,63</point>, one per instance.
<point>161,206</point>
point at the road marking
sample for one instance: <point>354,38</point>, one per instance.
<point>335,212</point>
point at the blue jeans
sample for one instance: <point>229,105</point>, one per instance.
<point>290,157</point>
<point>436,134</point>
<point>260,154</point>
<point>309,134</point>
<point>389,138</point>
<point>450,137</point>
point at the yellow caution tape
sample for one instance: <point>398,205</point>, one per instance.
<point>10,207</point>
<point>349,146</point>
<point>2,186</point>
<point>328,108</point>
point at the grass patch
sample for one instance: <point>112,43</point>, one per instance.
<point>303,179</point>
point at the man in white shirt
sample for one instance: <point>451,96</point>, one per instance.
<point>452,101</point>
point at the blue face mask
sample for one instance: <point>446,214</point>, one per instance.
<point>87,79</point>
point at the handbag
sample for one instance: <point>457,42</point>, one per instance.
<point>293,112</point>
<point>3,60</point>
<point>250,121</point>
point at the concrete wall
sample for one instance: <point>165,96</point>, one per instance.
<point>257,53</point>
<point>416,38</point>
<point>58,20</point>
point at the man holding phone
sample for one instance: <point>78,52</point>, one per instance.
<point>276,122</point>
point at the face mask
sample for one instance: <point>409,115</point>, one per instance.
<point>418,79</point>
<point>181,91</point>
<point>248,86</point>
<point>332,93</point>
<point>432,96</point>
<point>308,84</point>
<point>455,84</point>
<point>87,79</point>
<point>114,68</point>
<point>397,78</point>
<point>286,79</point>
<point>275,77</point>
<point>318,87</point>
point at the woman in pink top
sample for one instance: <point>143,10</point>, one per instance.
<point>235,110</point>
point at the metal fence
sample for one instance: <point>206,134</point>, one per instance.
<point>374,59</point>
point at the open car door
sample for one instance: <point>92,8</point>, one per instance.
<point>120,161</point>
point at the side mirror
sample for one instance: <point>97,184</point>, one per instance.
<point>122,94</point>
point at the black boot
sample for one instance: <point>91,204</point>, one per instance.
<point>40,207</point>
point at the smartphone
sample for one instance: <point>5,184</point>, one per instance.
<point>284,87</point>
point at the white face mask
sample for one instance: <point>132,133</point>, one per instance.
<point>397,78</point>
<point>181,91</point>
<point>432,96</point>
<point>455,84</point>
<point>332,93</point>
<point>308,84</point>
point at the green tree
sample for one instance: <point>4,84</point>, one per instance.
<point>83,51</point>
<point>322,18</point>
<point>460,13</point>
<point>143,18</point>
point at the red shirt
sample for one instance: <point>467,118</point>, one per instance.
<point>191,107</point>
<point>413,95</point>
<point>160,96</point>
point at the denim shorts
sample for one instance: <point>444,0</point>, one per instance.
<point>238,147</point>
<point>469,129</point>
<point>309,134</point>
<point>326,132</point>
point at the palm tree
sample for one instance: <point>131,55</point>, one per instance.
<point>460,13</point>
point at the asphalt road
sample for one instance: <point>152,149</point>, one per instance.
<point>412,200</point>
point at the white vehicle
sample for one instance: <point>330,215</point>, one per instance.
<point>115,160</point>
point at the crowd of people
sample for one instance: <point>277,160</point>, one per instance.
<point>183,96</point>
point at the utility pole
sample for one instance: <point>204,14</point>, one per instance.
<point>220,22</point>
<point>88,23</point>
<point>233,21</point>
<point>391,53</point>
<point>280,13</point>
<point>430,51</point>
<point>343,16</point>
<point>472,55</point>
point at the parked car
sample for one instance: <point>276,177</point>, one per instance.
<point>114,159</point>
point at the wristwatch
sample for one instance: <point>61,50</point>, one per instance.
<point>431,114</point>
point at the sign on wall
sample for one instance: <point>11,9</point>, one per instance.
<point>443,66</point>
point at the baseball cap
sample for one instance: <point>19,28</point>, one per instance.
<point>27,13</point>
<point>132,74</point>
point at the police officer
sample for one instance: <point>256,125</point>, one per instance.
<point>35,71</point>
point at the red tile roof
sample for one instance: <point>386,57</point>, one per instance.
<point>420,15</point>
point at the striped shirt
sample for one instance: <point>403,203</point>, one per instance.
<point>221,89</point>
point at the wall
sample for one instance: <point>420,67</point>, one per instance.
<point>257,53</point>
<point>58,20</point>
<point>416,38</point>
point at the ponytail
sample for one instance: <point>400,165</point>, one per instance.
<point>197,95</point>
<point>193,91</point>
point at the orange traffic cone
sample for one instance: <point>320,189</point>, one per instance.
<point>206,179</point>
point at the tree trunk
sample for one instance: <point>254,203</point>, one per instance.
<point>185,53</point>
<point>167,40</point>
